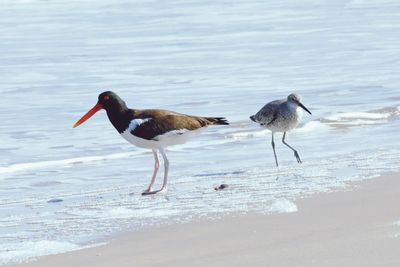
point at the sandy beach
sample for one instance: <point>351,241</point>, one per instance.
<point>352,228</point>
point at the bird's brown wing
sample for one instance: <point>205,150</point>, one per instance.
<point>159,122</point>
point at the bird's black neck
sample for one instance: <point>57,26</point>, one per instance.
<point>120,117</point>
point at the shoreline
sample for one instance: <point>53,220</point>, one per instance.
<point>340,228</point>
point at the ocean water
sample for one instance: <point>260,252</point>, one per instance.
<point>62,189</point>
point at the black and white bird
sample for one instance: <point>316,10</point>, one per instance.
<point>153,129</point>
<point>281,116</point>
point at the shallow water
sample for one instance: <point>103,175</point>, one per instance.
<point>63,188</point>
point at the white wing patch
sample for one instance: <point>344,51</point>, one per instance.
<point>177,132</point>
<point>174,133</point>
<point>136,123</point>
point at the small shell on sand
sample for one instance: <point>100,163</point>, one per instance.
<point>55,200</point>
<point>221,187</point>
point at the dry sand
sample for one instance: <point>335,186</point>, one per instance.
<point>335,229</point>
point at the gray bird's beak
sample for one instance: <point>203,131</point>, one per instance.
<point>303,107</point>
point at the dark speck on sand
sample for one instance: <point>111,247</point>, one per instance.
<point>221,187</point>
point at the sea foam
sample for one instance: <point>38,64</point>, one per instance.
<point>28,249</point>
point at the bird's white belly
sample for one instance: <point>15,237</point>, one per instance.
<point>177,137</point>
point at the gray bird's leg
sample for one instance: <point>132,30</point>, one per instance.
<point>294,150</point>
<point>273,147</point>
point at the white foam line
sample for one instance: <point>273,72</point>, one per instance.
<point>63,162</point>
<point>67,162</point>
<point>311,126</point>
<point>248,134</point>
<point>358,115</point>
<point>283,206</point>
<point>29,250</point>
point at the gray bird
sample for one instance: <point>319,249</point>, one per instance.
<point>281,116</point>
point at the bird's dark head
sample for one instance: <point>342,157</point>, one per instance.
<point>109,101</point>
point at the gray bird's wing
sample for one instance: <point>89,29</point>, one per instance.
<point>268,113</point>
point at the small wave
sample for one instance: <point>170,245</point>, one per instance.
<point>308,127</point>
<point>62,163</point>
<point>350,119</point>
<point>358,115</point>
<point>311,126</point>
<point>247,134</point>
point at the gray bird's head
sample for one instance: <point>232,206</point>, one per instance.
<point>296,99</point>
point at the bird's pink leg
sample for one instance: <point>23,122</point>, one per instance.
<point>166,167</point>
<point>149,190</point>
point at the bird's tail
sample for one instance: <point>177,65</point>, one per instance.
<point>253,118</point>
<point>217,120</point>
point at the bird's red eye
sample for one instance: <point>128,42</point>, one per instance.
<point>106,97</point>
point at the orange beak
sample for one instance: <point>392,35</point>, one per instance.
<point>89,114</point>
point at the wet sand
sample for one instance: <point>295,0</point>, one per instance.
<point>351,228</point>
